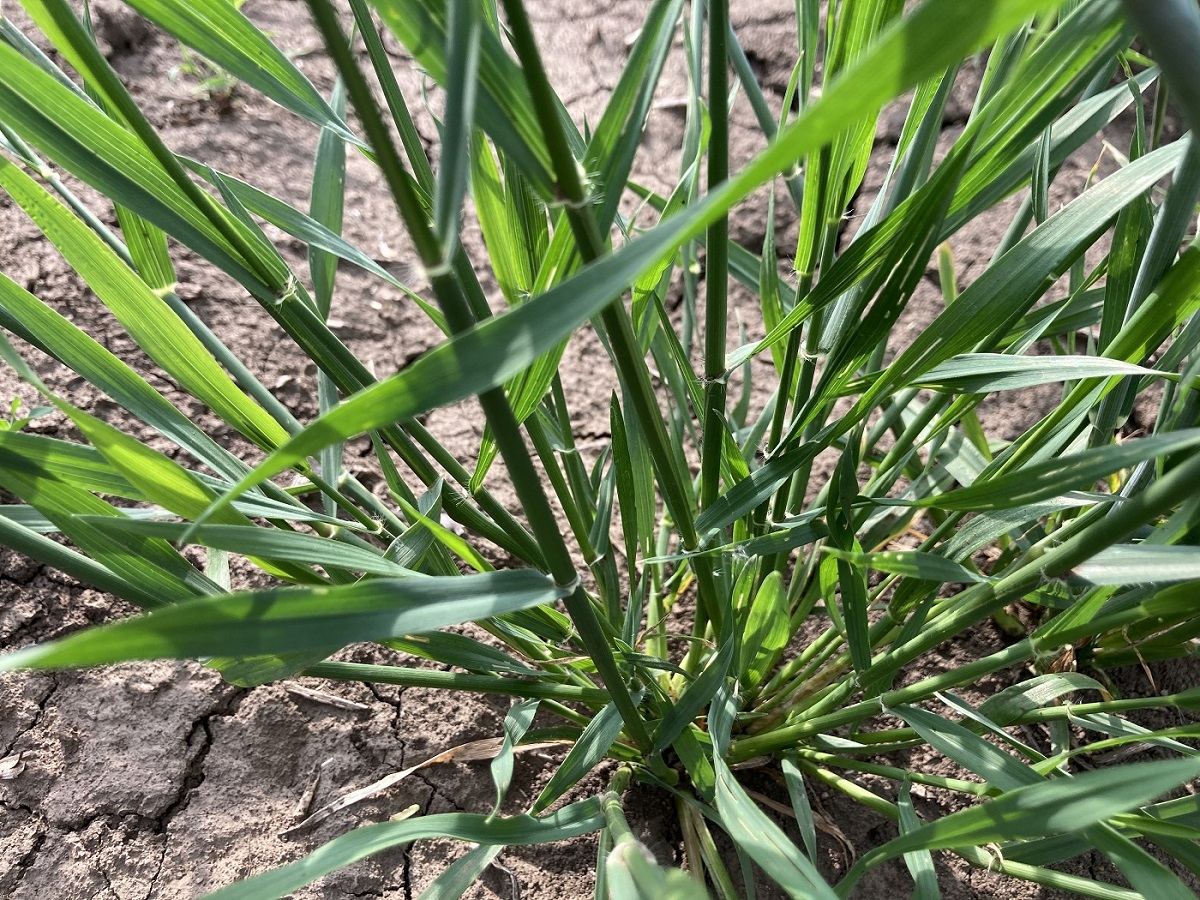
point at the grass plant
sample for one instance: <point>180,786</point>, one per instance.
<point>713,600</point>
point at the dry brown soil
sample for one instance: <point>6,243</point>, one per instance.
<point>157,780</point>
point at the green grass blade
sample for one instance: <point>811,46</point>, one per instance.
<point>290,620</point>
<point>452,649</point>
<point>764,842</point>
<point>71,463</point>
<point>694,698</point>
<point>591,747</point>
<point>503,107</point>
<point>984,373</point>
<point>1061,805</point>
<point>911,564</point>
<point>272,543</point>
<point>516,723</point>
<point>462,873</point>
<point>24,539</point>
<point>1077,471</point>
<point>919,862</point>
<point>969,750</point>
<point>147,317</point>
<point>219,30</point>
<point>158,570</point>
<point>1145,873</point>
<point>571,821</point>
<point>462,46</point>
<point>1141,564</point>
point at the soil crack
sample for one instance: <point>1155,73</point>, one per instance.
<point>194,774</point>
<point>42,703</point>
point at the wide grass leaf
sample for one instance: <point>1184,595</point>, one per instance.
<point>1141,564</point>
<point>256,623</point>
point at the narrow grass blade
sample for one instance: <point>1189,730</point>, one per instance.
<point>144,314</point>
<point>255,623</point>
<point>694,698</point>
<point>271,543</point>
<point>584,755</point>
<point>969,750</point>
<point>24,539</point>
<point>919,862</point>
<point>516,723</point>
<point>912,564</point>
<point>765,843</point>
<point>1147,875</point>
<point>28,317</point>
<point>1060,476</point>
<point>1061,805</point>
<point>220,31</point>
<point>463,47</point>
<point>767,631</point>
<point>798,793</point>
<point>72,463</point>
<point>462,873</point>
<point>984,373</point>
<point>571,821</point>
<point>503,107</point>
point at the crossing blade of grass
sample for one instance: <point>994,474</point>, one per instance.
<point>254,623</point>
<point>571,821</point>
<point>1055,477</point>
<point>1061,805</point>
<point>911,564</point>
<point>270,543</point>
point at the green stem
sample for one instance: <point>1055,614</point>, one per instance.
<point>716,275</point>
